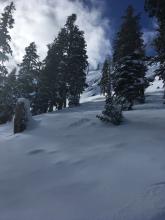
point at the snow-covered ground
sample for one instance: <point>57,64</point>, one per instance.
<point>70,166</point>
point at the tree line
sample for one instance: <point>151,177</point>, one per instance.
<point>60,79</point>
<point>124,75</point>
<point>49,84</point>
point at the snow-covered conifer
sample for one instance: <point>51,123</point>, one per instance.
<point>129,59</point>
<point>106,79</point>
<point>28,76</point>
<point>156,8</point>
<point>113,110</point>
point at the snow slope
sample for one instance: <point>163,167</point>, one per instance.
<point>93,90</point>
<point>94,77</point>
<point>71,166</point>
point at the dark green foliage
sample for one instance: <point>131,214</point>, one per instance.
<point>76,62</point>
<point>113,110</point>
<point>53,87</point>
<point>28,77</point>
<point>64,74</point>
<point>156,8</point>
<point>6,23</point>
<point>129,83</point>
<point>106,80</point>
<point>6,93</point>
<point>129,56</point>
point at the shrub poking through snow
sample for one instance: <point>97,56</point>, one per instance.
<point>113,110</point>
<point>22,115</point>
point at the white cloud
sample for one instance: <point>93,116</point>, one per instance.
<point>40,21</point>
<point>148,36</point>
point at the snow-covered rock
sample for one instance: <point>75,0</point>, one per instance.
<point>22,115</point>
<point>26,104</point>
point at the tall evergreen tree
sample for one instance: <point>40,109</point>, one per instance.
<point>129,55</point>
<point>53,84</point>
<point>64,74</point>
<point>76,60</point>
<point>156,8</point>
<point>9,95</point>
<point>6,23</point>
<point>29,74</point>
<point>106,80</point>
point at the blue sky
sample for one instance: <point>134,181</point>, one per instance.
<point>116,8</point>
<point>113,10</point>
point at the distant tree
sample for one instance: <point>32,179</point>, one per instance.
<point>156,8</point>
<point>128,58</point>
<point>28,76</point>
<point>106,79</point>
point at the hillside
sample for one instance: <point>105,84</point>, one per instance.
<point>70,166</point>
<point>94,77</point>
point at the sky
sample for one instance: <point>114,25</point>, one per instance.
<point>41,20</point>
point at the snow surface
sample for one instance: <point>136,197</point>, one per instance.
<point>70,166</point>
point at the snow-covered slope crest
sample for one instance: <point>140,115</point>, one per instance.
<point>93,90</point>
<point>71,166</point>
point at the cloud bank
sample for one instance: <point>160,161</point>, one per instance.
<point>41,20</point>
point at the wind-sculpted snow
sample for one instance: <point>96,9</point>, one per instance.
<point>71,166</point>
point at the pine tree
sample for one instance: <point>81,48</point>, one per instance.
<point>106,80</point>
<point>156,8</point>
<point>76,61</point>
<point>64,73</point>
<point>53,84</point>
<point>6,23</point>
<point>129,56</point>
<point>28,76</point>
